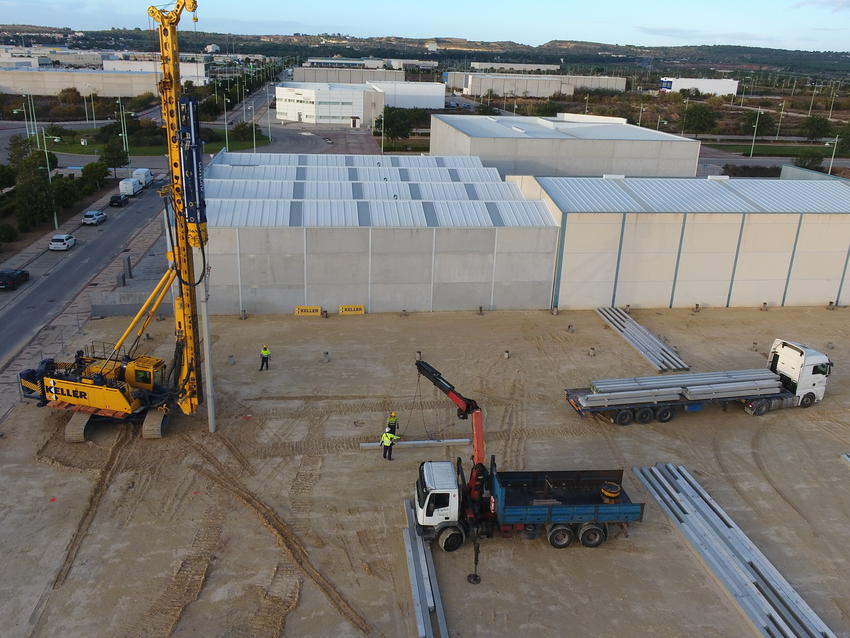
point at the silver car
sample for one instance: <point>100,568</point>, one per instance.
<point>62,242</point>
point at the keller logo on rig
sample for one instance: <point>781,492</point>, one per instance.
<point>76,394</point>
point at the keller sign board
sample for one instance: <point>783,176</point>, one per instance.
<point>308,311</point>
<point>352,310</point>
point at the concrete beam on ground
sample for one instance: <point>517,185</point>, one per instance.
<point>423,443</point>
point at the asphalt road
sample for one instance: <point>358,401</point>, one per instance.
<point>57,277</point>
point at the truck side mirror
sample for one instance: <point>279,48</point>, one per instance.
<point>429,510</point>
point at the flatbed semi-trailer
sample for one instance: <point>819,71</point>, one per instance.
<point>795,376</point>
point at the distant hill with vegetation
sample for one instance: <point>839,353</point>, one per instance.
<point>456,52</point>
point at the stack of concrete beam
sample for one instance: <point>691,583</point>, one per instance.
<point>647,344</point>
<point>423,581</point>
<point>695,386</point>
<point>772,605</point>
<point>846,457</point>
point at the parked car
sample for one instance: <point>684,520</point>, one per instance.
<point>11,279</point>
<point>94,217</point>
<point>119,200</point>
<point>62,242</point>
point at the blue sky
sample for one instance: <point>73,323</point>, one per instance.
<point>786,24</point>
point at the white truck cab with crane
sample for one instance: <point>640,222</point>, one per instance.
<point>122,384</point>
<point>563,504</point>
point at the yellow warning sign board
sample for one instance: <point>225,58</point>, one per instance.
<point>352,310</point>
<point>308,311</point>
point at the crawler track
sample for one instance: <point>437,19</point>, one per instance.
<point>287,541</point>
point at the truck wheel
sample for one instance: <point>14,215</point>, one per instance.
<point>561,536</point>
<point>450,538</point>
<point>665,414</point>
<point>591,535</point>
<point>644,415</point>
<point>623,417</point>
<point>807,401</point>
<point>760,408</point>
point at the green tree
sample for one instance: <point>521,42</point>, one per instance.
<point>7,176</point>
<point>766,123</point>
<point>65,192</point>
<point>114,155</point>
<point>32,194</point>
<point>484,109</point>
<point>19,149</point>
<point>397,124</point>
<point>816,127</point>
<point>95,173</point>
<point>244,131</point>
<point>70,96</point>
<point>700,118</point>
<point>810,158</point>
<point>844,139</point>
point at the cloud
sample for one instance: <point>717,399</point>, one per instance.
<point>703,36</point>
<point>835,5</point>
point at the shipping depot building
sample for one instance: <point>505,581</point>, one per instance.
<point>435,233</point>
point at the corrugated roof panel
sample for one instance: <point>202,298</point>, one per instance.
<point>525,214</point>
<point>246,213</point>
<point>399,214</point>
<point>687,196</point>
<point>327,190</point>
<point>331,159</point>
<point>462,214</point>
<point>497,191</point>
<point>589,195</point>
<point>442,190</point>
<point>795,196</point>
<point>318,213</point>
<point>385,190</point>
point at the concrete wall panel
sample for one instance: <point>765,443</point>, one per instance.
<point>708,256</point>
<point>819,261</point>
<point>763,262</point>
<point>395,297</point>
<point>521,295</point>
<point>461,296</point>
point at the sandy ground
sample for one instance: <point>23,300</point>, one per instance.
<point>280,525</point>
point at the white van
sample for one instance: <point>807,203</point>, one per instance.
<point>144,176</point>
<point>130,186</point>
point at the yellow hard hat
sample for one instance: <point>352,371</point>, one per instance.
<point>392,413</point>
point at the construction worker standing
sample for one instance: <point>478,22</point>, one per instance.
<point>387,441</point>
<point>265,353</point>
<point>392,422</point>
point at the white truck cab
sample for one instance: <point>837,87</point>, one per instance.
<point>803,371</point>
<point>437,495</point>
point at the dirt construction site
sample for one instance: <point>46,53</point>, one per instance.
<point>279,524</point>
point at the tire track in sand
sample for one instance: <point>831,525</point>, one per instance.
<point>287,540</point>
<point>162,616</point>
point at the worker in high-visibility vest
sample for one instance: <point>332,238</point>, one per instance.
<point>392,422</point>
<point>387,441</point>
<point>265,353</point>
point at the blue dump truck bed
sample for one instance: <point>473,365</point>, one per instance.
<point>560,497</point>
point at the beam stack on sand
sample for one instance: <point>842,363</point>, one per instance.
<point>427,600</point>
<point>647,344</point>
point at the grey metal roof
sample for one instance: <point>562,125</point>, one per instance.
<point>690,195</point>
<point>257,213</point>
<point>353,174</point>
<point>524,127</point>
<point>326,159</point>
<point>270,189</point>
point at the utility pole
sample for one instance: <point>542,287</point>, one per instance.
<point>685,115</point>
<point>832,159</point>
<point>755,132</point>
<point>781,113</point>
<point>50,180</point>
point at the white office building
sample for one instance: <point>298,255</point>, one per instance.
<point>354,105</point>
<point>703,85</point>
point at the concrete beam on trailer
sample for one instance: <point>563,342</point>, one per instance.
<point>423,443</point>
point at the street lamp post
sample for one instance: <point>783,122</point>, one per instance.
<point>268,113</point>
<point>34,119</point>
<point>832,103</point>
<point>640,117</point>
<point>812,103</point>
<point>755,132</point>
<point>586,103</point>
<point>685,115</point>
<point>781,113</point>
<point>832,159</point>
<point>253,126</point>
<point>226,143</point>
<point>23,110</point>
<point>50,181</point>
<point>91,96</point>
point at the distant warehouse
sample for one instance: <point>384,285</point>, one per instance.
<point>529,85</point>
<point>353,75</point>
<point>513,66</point>
<point>565,145</point>
<point>355,105</point>
<point>703,85</point>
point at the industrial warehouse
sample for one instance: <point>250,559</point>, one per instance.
<point>443,233</point>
